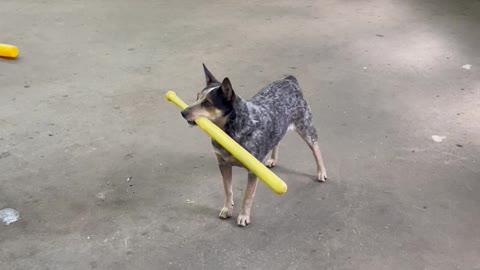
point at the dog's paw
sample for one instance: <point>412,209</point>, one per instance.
<point>226,212</point>
<point>322,176</point>
<point>271,163</point>
<point>243,220</point>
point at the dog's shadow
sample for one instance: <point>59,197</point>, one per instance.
<point>212,212</point>
<point>283,170</point>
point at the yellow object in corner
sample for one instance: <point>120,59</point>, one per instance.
<point>8,51</point>
<point>242,155</point>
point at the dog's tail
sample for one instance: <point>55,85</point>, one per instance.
<point>292,79</point>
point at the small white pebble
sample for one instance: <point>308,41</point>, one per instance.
<point>8,216</point>
<point>438,138</point>
<point>129,178</point>
<point>467,66</point>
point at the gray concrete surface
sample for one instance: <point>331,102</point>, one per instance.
<point>82,109</point>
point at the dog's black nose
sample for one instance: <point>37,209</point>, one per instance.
<point>184,113</point>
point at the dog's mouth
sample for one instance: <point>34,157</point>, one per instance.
<point>191,123</point>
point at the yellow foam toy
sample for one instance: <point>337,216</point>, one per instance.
<point>8,51</point>
<point>242,155</point>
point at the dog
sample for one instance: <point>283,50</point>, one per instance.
<point>257,125</point>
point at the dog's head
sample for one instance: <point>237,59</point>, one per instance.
<point>214,102</point>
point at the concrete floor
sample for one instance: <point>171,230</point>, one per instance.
<point>82,109</point>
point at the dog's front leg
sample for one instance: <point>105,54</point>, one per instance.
<point>226,170</point>
<point>244,217</point>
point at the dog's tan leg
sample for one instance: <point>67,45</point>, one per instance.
<point>244,216</point>
<point>273,158</point>
<point>313,144</point>
<point>226,170</point>
<point>307,131</point>
<point>321,171</point>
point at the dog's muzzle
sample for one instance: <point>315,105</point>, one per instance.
<point>185,114</point>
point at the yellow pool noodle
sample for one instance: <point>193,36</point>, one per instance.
<point>8,51</point>
<point>242,155</point>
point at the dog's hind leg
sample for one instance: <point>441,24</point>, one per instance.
<point>306,130</point>
<point>321,171</point>
<point>226,170</point>
<point>272,161</point>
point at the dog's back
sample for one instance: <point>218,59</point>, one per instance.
<point>278,89</point>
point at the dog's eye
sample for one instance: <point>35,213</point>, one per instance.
<point>206,104</point>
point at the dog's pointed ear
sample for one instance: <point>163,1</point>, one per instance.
<point>227,90</point>
<point>209,76</point>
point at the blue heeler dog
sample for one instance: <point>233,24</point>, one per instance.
<point>258,125</point>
